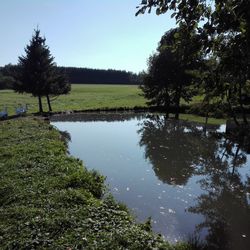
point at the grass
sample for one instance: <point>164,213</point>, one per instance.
<point>48,200</point>
<point>82,97</point>
<point>200,119</point>
<point>91,96</point>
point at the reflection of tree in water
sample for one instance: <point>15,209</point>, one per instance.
<point>65,137</point>
<point>225,204</point>
<point>178,150</point>
<point>175,148</point>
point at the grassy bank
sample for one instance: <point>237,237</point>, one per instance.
<point>89,97</point>
<point>82,97</point>
<point>48,200</point>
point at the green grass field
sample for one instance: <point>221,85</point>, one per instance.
<point>82,97</point>
<point>90,96</point>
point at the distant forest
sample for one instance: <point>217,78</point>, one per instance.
<point>99,76</point>
<point>78,76</point>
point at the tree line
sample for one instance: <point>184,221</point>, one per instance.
<point>99,76</point>
<point>77,76</point>
<point>207,54</point>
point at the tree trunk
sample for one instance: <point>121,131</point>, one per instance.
<point>235,159</point>
<point>207,111</point>
<point>176,115</point>
<point>166,106</point>
<point>248,41</point>
<point>231,110</point>
<point>49,104</point>
<point>205,125</point>
<point>225,150</point>
<point>40,104</point>
<point>241,105</point>
<point>178,98</point>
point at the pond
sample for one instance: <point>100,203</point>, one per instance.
<point>194,182</point>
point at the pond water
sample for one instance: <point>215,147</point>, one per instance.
<point>191,182</point>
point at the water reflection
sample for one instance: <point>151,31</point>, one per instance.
<point>179,150</point>
<point>190,180</point>
<point>225,205</point>
<point>176,149</point>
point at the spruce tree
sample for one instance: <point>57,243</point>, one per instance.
<point>37,73</point>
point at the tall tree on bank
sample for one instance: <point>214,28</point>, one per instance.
<point>223,28</point>
<point>169,77</point>
<point>37,73</point>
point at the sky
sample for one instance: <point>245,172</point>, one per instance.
<point>101,34</point>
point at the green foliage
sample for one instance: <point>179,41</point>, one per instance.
<point>37,74</point>
<point>6,82</point>
<point>48,200</point>
<point>6,77</point>
<point>222,29</point>
<point>168,79</point>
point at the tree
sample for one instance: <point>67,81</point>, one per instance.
<point>6,82</point>
<point>6,77</point>
<point>37,74</point>
<point>223,30</point>
<point>59,86</point>
<point>168,78</point>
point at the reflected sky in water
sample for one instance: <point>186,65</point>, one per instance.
<point>190,181</point>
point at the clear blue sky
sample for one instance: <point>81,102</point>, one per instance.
<point>83,33</point>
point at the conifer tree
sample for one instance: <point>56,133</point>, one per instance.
<point>37,73</point>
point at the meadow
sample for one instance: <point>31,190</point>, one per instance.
<point>91,97</point>
<point>81,97</point>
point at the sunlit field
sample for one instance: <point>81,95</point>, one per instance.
<point>82,97</point>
